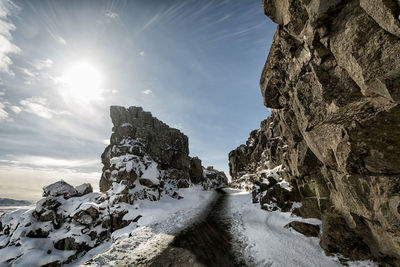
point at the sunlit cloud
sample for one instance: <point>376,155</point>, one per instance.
<point>42,64</point>
<point>3,113</point>
<point>141,53</point>
<point>43,162</point>
<point>30,77</point>
<point>39,107</point>
<point>60,40</point>
<point>7,46</point>
<point>147,92</point>
<point>16,109</point>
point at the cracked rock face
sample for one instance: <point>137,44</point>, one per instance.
<point>332,79</point>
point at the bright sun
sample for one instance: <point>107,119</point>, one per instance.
<point>81,83</point>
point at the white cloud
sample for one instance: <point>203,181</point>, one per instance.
<point>16,109</point>
<point>42,161</point>
<point>39,107</point>
<point>3,113</point>
<point>28,72</point>
<point>2,93</point>
<point>7,46</point>
<point>147,92</point>
<point>46,63</point>
<point>114,91</point>
<point>141,53</point>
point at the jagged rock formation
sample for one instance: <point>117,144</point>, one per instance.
<point>145,160</point>
<point>332,80</point>
<point>144,147</point>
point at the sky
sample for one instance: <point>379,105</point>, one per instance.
<point>195,64</point>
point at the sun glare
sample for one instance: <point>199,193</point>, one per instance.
<point>81,82</point>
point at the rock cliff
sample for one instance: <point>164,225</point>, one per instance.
<point>332,82</point>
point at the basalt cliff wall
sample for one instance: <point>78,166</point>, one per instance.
<point>332,82</point>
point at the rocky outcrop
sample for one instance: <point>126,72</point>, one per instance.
<point>332,81</point>
<point>65,224</point>
<point>144,147</point>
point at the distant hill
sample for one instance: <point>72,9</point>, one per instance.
<point>14,202</point>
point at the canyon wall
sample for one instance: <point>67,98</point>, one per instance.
<point>332,82</point>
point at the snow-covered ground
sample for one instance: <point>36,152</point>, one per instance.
<point>140,242</point>
<point>261,239</point>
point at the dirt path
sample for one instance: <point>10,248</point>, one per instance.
<point>205,243</point>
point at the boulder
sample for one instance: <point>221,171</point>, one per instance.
<point>84,189</point>
<point>59,188</point>
<point>307,229</point>
<point>196,170</point>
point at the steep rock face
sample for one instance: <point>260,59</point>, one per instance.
<point>332,79</point>
<point>144,147</point>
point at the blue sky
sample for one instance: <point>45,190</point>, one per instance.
<point>194,64</point>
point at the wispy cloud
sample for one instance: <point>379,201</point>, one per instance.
<point>16,109</point>
<point>141,53</point>
<point>150,22</point>
<point>39,107</point>
<point>111,15</point>
<point>3,114</point>
<point>43,162</point>
<point>42,64</point>
<point>60,39</point>
<point>7,46</point>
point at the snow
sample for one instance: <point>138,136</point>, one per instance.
<point>152,173</point>
<point>153,232</point>
<point>261,239</point>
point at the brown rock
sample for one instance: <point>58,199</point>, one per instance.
<point>306,229</point>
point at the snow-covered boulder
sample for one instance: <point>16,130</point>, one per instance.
<point>84,189</point>
<point>59,188</point>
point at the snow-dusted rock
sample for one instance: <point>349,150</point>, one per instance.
<point>143,147</point>
<point>59,188</point>
<point>84,189</point>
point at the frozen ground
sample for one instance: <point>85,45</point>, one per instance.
<point>138,243</point>
<point>261,239</point>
